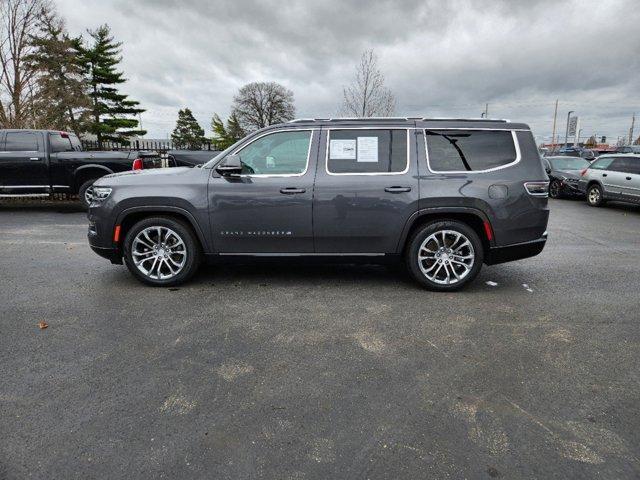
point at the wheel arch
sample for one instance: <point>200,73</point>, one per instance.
<point>474,218</point>
<point>129,217</point>
<point>87,172</point>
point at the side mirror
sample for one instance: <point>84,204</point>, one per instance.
<point>548,170</point>
<point>231,165</point>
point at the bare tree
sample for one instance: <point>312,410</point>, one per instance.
<point>367,96</point>
<point>259,104</point>
<point>18,22</point>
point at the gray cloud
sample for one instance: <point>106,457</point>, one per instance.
<point>440,58</point>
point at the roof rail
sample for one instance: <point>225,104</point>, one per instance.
<point>502,120</point>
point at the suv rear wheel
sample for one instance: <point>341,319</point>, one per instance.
<point>161,251</point>
<point>444,255</point>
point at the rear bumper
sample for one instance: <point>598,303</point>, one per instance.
<point>517,251</point>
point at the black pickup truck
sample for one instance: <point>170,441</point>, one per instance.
<point>43,162</point>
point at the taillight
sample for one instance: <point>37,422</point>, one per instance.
<point>583,172</point>
<point>137,164</point>
<point>537,189</point>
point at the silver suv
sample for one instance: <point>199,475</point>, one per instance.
<point>612,177</point>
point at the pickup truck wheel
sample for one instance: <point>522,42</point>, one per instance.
<point>85,193</point>
<point>444,255</point>
<point>161,251</point>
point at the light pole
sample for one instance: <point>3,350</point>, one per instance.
<point>566,133</point>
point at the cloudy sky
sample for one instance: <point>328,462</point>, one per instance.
<point>439,58</point>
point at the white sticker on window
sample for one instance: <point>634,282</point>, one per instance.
<point>367,149</point>
<point>342,149</point>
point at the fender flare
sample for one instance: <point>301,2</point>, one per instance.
<point>425,212</point>
<point>92,166</point>
<point>160,209</point>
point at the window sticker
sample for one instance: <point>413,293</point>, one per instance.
<point>342,149</point>
<point>368,149</point>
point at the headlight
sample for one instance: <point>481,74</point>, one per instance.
<point>101,193</point>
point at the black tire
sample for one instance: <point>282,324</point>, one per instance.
<point>82,193</point>
<point>183,232</point>
<point>555,189</point>
<point>422,234</point>
<point>595,195</point>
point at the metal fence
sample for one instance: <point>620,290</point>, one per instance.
<point>160,146</point>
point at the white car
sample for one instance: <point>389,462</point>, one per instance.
<point>612,177</point>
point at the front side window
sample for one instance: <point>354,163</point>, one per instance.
<point>602,163</point>
<point>469,150</point>
<point>21,142</point>
<point>375,151</point>
<point>280,153</point>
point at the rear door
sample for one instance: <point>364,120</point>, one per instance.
<point>24,167</point>
<point>366,189</point>
<point>630,167</point>
<point>614,178</point>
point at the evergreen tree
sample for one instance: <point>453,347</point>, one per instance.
<point>62,100</point>
<point>188,133</point>
<point>225,136</point>
<point>111,110</point>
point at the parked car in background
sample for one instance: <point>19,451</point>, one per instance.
<point>443,195</point>
<point>38,163</point>
<point>612,177</point>
<point>574,151</point>
<point>564,175</point>
<point>190,158</point>
<point>629,149</point>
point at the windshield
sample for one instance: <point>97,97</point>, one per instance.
<point>568,163</point>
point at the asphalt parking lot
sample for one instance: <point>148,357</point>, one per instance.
<point>318,372</point>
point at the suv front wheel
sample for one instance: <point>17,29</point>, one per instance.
<point>444,255</point>
<point>161,251</point>
<point>595,198</point>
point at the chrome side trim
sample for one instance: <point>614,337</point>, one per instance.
<point>275,254</point>
<point>328,143</point>
<point>516,145</point>
<point>23,195</point>
<point>25,186</point>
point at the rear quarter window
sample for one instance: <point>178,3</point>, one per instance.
<point>469,150</point>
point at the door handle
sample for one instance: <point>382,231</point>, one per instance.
<point>397,189</point>
<point>34,159</point>
<point>292,190</point>
<point>604,174</point>
<point>628,178</point>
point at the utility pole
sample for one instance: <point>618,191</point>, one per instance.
<point>486,110</point>
<point>633,121</point>
<point>553,135</point>
<point>566,133</point>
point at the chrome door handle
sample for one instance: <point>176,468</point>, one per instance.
<point>397,189</point>
<point>34,159</point>
<point>292,190</point>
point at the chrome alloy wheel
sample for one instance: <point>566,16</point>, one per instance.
<point>594,195</point>
<point>446,257</point>
<point>88,195</point>
<point>159,252</point>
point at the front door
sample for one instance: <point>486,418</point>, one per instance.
<point>23,163</point>
<point>266,209</point>
<point>366,189</point>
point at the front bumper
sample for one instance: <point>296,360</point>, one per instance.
<point>516,251</point>
<point>570,188</point>
<point>111,254</point>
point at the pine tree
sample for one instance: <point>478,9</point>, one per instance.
<point>225,136</point>
<point>188,133</point>
<point>112,111</point>
<point>62,100</point>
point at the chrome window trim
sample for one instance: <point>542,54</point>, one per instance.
<point>278,175</point>
<point>516,145</point>
<point>24,186</point>
<point>326,154</point>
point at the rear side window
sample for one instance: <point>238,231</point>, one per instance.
<point>21,142</point>
<point>602,163</point>
<point>59,143</point>
<point>626,165</point>
<point>469,150</point>
<point>374,151</point>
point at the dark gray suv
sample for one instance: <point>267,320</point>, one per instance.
<point>445,195</point>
